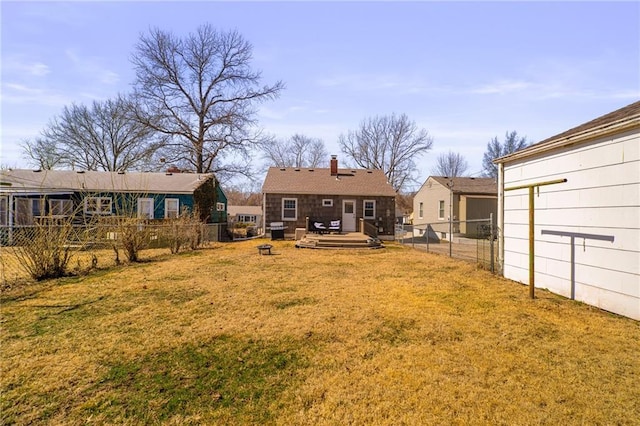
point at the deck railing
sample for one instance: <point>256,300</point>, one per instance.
<point>368,228</point>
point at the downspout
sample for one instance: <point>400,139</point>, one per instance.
<point>501,218</point>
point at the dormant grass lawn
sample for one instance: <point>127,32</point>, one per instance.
<point>390,337</point>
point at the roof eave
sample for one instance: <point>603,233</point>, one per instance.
<point>553,144</point>
<point>355,194</point>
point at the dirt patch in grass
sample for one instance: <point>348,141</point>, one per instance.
<point>392,336</point>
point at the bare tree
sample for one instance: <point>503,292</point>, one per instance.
<point>390,143</point>
<point>246,194</point>
<point>297,151</point>
<point>451,164</point>
<point>42,152</point>
<point>404,201</point>
<point>101,137</point>
<point>495,149</point>
<point>201,91</point>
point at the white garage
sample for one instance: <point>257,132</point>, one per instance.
<point>569,213</point>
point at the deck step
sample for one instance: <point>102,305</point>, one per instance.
<point>354,240</point>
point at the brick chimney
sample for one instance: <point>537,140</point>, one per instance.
<point>334,165</point>
<point>173,169</point>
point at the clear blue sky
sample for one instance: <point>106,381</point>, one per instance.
<point>465,71</point>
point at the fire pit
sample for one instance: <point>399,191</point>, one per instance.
<point>264,249</point>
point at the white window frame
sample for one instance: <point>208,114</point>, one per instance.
<point>220,207</point>
<point>144,213</point>
<point>295,209</point>
<point>60,207</point>
<point>104,205</point>
<point>421,210</point>
<point>372,208</point>
<point>441,209</point>
<point>327,202</point>
<point>171,209</point>
<point>247,218</point>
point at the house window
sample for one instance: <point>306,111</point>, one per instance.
<point>145,208</point>
<point>421,210</point>
<point>27,209</point>
<point>37,207</point>
<point>4,211</point>
<point>24,216</point>
<point>441,209</point>
<point>220,207</point>
<point>369,208</point>
<point>97,205</point>
<point>327,202</point>
<point>171,208</point>
<point>247,218</point>
<point>60,207</point>
<point>289,209</point>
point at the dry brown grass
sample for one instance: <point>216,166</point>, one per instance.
<point>390,337</point>
<point>82,261</point>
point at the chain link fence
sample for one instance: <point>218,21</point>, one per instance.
<point>50,248</point>
<point>472,240</point>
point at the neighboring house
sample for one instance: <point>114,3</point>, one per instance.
<point>26,195</point>
<point>402,217</point>
<point>290,195</point>
<point>472,198</point>
<point>586,230</point>
<point>245,214</point>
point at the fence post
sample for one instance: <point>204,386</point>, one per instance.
<point>450,237</point>
<point>427,232</point>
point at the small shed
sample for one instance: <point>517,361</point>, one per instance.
<point>574,199</point>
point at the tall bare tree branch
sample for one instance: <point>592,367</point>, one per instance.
<point>101,137</point>
<point>297,151</point>
<point>390,143</point>
<point>495,149</point>
<point>451,164</point>
<point>201,91</point>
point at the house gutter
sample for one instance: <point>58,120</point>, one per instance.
<point>584,136</point>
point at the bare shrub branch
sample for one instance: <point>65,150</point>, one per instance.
<point>42,249</point>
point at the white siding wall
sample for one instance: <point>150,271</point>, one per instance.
<point>601,197</point>
<point>430,194</point>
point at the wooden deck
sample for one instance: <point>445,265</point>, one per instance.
<point>344,240</point>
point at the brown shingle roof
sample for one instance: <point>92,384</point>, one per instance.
<point>69,180</point>
<point>319,181</point>
<point>612,117</point>
<point>618,120</point>
<point>469,185</point>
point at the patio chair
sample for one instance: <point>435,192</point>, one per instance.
<point>319,227</point>
<point>334,225</point>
